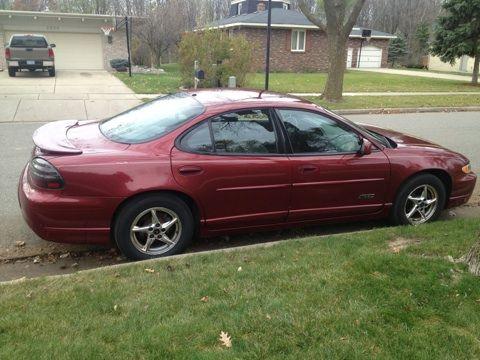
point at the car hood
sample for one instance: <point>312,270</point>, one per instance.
<point>73,137</point>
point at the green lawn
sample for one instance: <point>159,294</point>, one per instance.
<point>386,102</point>
<point>154,84</point>
<point>347,296</point>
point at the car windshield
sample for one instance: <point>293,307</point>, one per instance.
<point>28,41</point>
<point>151,120</point>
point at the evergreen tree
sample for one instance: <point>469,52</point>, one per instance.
<point>458,33</point>
<point>397,49</point>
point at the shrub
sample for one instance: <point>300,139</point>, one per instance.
<point>219,56</point>
<point>119,63</point>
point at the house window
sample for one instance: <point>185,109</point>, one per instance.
<point>298,40</point>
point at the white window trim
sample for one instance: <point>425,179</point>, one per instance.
<point>239,8</point>
<point>298,37</point>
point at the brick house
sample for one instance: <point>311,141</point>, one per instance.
<point>297,44</point>
<point>79,39</point>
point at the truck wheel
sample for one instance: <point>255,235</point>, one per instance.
<point>11,71</point>
<point>51,72</point>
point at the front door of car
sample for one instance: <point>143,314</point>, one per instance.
<point>233,165</point>
<point>330,178</point>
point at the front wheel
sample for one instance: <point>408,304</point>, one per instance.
<point>154,226</point>
<point>420,200</point>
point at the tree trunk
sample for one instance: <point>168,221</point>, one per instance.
<point>472,259</point>
<point>475,69</point>
<point>336,67</point>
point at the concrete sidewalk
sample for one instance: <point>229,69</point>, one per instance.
<point>81,95</point>
<point>426,74</point>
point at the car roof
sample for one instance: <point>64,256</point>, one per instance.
<point>218,97</point>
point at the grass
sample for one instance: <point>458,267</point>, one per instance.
<point>355,81</point>
<point>343,296</point>
<point>386,102</point>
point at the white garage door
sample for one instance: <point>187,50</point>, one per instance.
<point>349,58</point>
<point>76,51</point>
<point>371,57</point>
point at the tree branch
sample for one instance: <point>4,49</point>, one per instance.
<point>352,19</point>
<point>305,9</point>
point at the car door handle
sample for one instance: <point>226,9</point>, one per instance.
<point>304,169</point>
<point>190,170</point>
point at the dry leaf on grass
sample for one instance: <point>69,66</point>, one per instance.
<point>225,339</point>
<point>115,307</point>
<point>151,271</point>
<point>204,299</point>
<point>239,269</point>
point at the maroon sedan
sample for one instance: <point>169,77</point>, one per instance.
<point>216,162</point>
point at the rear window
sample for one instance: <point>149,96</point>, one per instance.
<point>151,120</point>
<point>28,41</point>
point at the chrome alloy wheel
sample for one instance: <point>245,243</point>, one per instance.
<point>421,204</point>
<point>155,231</point>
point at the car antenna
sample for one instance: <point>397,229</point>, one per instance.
<point>260,94</point>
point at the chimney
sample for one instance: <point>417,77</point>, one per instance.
<point>261,6</point>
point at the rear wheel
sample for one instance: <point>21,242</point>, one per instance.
<point>420,200</point>
<point>51,72</point>
<point>11,72</point>
<point>154,226</point>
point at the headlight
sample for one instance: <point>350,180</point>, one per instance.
<point>467,169</point>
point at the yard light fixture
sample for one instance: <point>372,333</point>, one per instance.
<point>269,35</point>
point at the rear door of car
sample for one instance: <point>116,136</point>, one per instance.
<point>235,164</point>
<point>330,178</point>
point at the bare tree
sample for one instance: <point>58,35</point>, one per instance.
<point>338,20</point>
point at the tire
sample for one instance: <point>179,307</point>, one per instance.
<point>11,72</point>
<point>137,214</point>
<point>51,72</point>
<point>411,195</point>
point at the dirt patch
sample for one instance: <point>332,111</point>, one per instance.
<point>399,243</point>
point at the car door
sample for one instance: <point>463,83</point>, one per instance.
<point>234,165</point>
<point>330,178</point>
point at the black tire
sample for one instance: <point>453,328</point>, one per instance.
<point>51,72</point>
<point>131,210</point>
<point>12,72</point>
<point>398,214</point>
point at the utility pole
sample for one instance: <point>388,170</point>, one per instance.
<point>128,46</point>
<point>267,55</point>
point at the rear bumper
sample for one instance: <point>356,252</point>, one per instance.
<point>37,64</point>
<point>66,219</point>
<point>462,191</point>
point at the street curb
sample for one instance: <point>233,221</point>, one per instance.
<point>406,110</point>
<point>182,256</point>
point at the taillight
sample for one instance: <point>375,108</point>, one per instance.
<point>8,54</point>
<point>44,175</point>
<point>50,53</point>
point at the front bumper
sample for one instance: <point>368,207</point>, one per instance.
<point>462,190</point>
<point>66,219</point>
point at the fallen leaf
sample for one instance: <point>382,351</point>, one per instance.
<point>225,339</point>
<point>115,307</point>
<point>64,256</point>
<point>204,299</point>
<point>269,317</point>
<point>239,269</point>
<point>151,271</point>
<point>19,243</point>
<point>36,260</point>
<point>74,265</point>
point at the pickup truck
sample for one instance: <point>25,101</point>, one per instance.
<point>29,52</point>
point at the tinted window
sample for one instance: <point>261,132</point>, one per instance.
<point>28,41</point>
<point>152,120</point>
<point>313,133</point>
<point>198,139</point>
<point>244,132</point>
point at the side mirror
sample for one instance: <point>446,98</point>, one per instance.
<point>366,148</point>
<point>52,45</point>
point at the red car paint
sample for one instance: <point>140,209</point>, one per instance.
<point>230,193</point>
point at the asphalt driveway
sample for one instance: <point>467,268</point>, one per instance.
<point>71,94</point>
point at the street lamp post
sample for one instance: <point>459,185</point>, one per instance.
<point>267,55</point>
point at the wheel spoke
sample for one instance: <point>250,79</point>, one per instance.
<point>413,211</point>
<point>431,201</point>
<point>415,199</point>
<point>169,224</point>
<point>166,239</point>
<point>425,192</point>
<point>149,243</point>
<point>142,229</point>
<point>422,214</point>
<point>154,217</point>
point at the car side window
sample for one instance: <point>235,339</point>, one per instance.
<point>244,132</point>
<point>198,139</point>
<point>313,133</point>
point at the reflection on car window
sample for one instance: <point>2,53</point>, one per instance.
<point>244,132</point>
<point>313,133</point>
<point>152,120</point>
<point>198,139</point>
<point>28,41</point>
